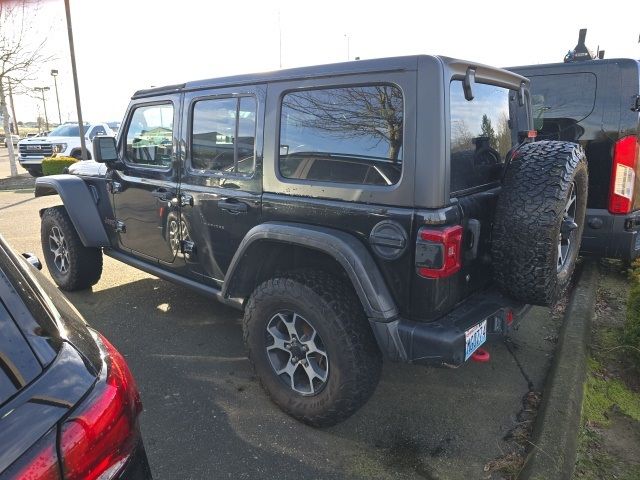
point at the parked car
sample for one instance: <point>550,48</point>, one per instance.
<point>596,103</point>
<point>393,207</point>
<point>114,126</point>
<point>15,138</point>
<point>69,405</point>
<point>63,140</point>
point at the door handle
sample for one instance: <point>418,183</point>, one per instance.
<point>233,206</point>
<point>162,194</point>
<point>182,200</point>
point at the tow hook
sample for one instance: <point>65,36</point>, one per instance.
<point>480,356</point>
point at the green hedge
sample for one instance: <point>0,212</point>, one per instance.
<point>56,165</point>
<point>631,333</point>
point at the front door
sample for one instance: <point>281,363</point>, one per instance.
<point>221,183</point>
<point>145,189</point>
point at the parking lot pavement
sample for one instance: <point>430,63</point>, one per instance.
<point>207,417</point>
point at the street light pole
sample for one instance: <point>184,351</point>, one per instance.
<point>75,80</point>
<point>54,74</point>
<point>44,104</point>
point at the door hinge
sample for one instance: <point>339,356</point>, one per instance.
<point>187,247</point>
<point>636,104</point>
<point>120,227</point>
<point>115,187</point>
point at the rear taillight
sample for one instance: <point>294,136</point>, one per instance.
<point>97,440</point>
<point>623,175</point>
<point>40,462</point>
<point>438,251</point>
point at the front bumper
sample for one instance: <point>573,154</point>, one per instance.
<point>442,342</point>
<point>611,236</point>
<point>30,160</point>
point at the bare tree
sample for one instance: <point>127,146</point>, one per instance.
<point>20,57</point>
<point>350,112</point>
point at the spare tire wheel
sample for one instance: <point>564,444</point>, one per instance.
<point>539,221</point>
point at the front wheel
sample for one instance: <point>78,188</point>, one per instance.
<point>311,346</point>
<point>72,265</point>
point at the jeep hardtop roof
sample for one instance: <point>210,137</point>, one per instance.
<point>458,67</point>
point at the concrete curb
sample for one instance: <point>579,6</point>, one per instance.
<point>555,436</point>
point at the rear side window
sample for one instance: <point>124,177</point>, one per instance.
<point>559,102</point>
<point>480,135</point>
<point>223,135</point>
<point>150,136</point>
<point>351,135</point>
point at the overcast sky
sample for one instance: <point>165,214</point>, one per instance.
<point>122,46</point>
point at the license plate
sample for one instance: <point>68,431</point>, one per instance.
<point>474,337</point>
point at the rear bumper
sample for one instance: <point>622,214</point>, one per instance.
<point>442,342</point>
<point>137,467</point>
<point>611,236</point>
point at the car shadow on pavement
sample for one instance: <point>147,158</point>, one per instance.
<point>206,414</point>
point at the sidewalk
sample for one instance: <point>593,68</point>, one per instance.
<point>24,180</point>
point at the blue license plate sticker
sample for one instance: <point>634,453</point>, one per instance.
<point>474,337</point>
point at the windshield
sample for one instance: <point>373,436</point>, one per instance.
<point>67,131</point>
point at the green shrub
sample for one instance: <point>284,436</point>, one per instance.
<point>56,165</point>
<point>631,332</point>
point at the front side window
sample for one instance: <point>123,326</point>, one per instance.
<point>350,135</point>
<point>223,135</point>
<point>150,136</point>
<point>480,135</point>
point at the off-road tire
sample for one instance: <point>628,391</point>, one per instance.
<point>85,263</point>
<point>333,308</point>
<point>528,218</point>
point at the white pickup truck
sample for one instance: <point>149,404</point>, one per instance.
<point>63,140</point>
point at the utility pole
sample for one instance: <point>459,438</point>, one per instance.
<point>13,107</point>
<point>54,74</point>
<point>44,103</point>
<point>75,80</point>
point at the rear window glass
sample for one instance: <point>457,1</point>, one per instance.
<point>350,135</point>
<point>559,102</point>
<point>480,135</point>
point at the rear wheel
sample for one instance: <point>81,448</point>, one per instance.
<point>539,221</point>
<point>72,265</point>
<point>311,346</point>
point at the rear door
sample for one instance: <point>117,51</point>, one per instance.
<point>221,184</point>
<point>145,190</point>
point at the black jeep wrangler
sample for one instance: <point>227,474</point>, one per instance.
<point>596,103</point>
<point>392,207</point>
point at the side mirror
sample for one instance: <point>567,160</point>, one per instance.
<point>104,149</point>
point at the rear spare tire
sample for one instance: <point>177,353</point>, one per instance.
<point>539,221</point>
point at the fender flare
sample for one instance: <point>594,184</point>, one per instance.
<point>80,205</point>
<point>347,250</point>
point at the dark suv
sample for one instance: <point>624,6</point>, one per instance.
<point>391,207</point>
<point>596,103</point>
